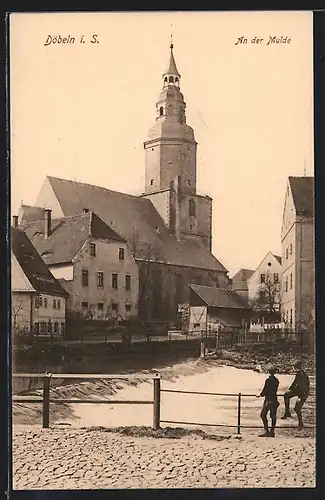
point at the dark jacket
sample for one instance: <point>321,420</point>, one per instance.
<point>270,388</point>
<point>300,385</point>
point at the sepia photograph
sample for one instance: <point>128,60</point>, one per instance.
<point>162,250</point>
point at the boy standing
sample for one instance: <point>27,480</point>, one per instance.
<point>270,403</point>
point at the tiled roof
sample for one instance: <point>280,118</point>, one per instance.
<point>19,280</point>
<point>243,275</point>
<point>67,236</point>
<point>302,189</point>
<point>135,219</point>
<point>36,271</point>
<point>28,213</point>
<point>226,318</point>
<point>219,297</point>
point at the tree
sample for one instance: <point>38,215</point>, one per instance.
<point>148,258</point>
<point>267,300</point>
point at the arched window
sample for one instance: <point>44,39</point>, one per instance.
<point>191,208</point>
<point>165,79</point>
<point>176,80</point>
<point>171,79</point>
<point>161,111</point>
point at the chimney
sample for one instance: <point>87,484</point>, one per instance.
<point>85,210</point>
<point>15,220</point>
<point>47,223</point>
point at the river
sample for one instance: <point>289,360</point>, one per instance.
<point>203,409</point>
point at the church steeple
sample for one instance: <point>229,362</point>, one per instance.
<point>171,76</point>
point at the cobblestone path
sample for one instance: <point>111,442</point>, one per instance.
<point>72,458</point>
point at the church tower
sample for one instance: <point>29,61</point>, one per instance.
<point>170,164</point>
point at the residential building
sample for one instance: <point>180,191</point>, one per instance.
<point>92,261</point>
<point>298,253</point>
<point>239,281</point>
<point>168,229</point>
<point>265,283</point>
<point>215,310</point>
<point>38,301</point>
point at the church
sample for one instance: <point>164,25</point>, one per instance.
<point>168,229</point>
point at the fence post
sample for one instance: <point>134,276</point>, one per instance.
<point>46,401</point>
<point>156,403</point>
<point>238,414</point>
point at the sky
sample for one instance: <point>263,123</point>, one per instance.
<point>81,111</point>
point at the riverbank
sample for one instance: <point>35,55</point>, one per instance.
<point>70,458</point>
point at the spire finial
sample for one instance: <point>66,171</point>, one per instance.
<point>171,37</point>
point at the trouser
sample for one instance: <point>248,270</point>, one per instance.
<point>298,406</point>
<point>269,406</point>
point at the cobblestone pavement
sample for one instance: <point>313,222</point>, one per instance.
<point>72,458</point>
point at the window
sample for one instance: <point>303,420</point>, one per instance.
<point>262,278</point>
<point>290,248</point>
<point>84,277</point>
<point>276,278</point>
<point>59,304</point>
<point>191,208</point>
<point>161,111</point>
<point>127,282</point>
<point>100,306</point>
<point>84,305</point>
<point>114,280</point>
<point>62,328</point>
<point>93,249</point>
<point>56,327</point>
<point>43,328</point>
<point>45,302</point>
<point>189,182</point>
<point>291,316</point>
<point>171,79</point>
<point>121,253</point>
<point>287,253</point>
<point>114,307</point>
<point>196,325</point>
<point>54,304</point>
<point>36,302</point>
<point>151,182</point>
<point>49,327</point>
<point>127,307</point>
<point>36,328</point>
<point>286,285</point>
<point>290,281</point>
<point>100,279</point>
<point>41,301</point>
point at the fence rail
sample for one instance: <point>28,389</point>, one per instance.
<point>45,399</point>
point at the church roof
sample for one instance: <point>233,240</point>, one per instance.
<point>67,236</point>
<point>37,275</point>
<point>172,69</point>
<point>302,189</point>
<point>219,297</point>
<point>137,221</point>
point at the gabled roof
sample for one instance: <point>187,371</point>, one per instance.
<point>28,213</point>
<point>34,268</point>
<point>67,236</point>
<point>302,189</point>
<point>136,220</point>
<point>219,297</point>
<point>19,280</point>
<point>242,275</point>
